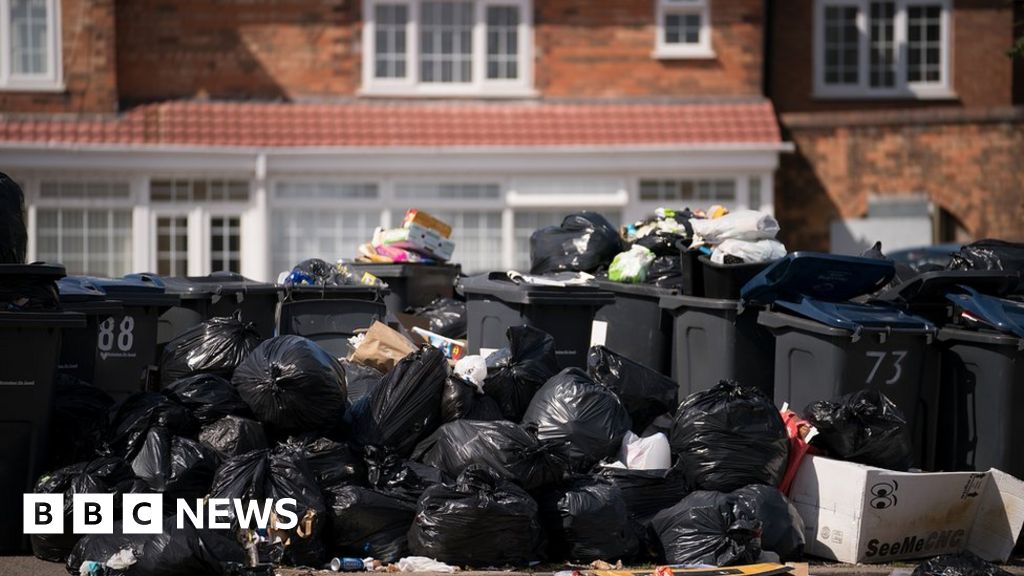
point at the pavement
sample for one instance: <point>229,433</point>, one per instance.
<point>31,566</point>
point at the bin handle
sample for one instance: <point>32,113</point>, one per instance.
<point>973,411</point>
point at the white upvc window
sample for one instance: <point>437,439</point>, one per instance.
<point>448,48</point>
<point>882,49</point>
<point>30,46</point>
<point>683,29</point>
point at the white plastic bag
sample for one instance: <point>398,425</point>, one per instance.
<point>472,369</point>
<point>650,453</point>
<point>424,564</point>
<point>631,266</point>
<point>749,251</point>
<point>742,225</point>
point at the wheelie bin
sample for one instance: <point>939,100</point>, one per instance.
<point>30,343</point>
<point>827,346</point>
<point>330,315</point>
<point>78,350</point>
<point>413,285</point>
<point>566,312</point>
<point>220,294</point>
<point>635,325</point>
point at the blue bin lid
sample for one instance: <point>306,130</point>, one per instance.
<point>818,276</point>
<point>80,289</point>
<point>853,316</point>
<point>137,289</point>
<point>1003,315</point>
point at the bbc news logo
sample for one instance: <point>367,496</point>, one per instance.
<point>144,513</point>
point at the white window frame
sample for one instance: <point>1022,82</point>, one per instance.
<point>742,201</point>
<point>701,49</point>
<point>410,86</point>
<point>53,80</point>
<point>863,90</point>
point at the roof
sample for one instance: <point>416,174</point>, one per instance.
<point>398,124</point>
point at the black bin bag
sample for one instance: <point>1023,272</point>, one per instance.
<point>216,346</point>
<point>446,316</point>
<point>960,564</point>
<point>360,380</point>
<point>864,427</point>
<point>587,419</point>
<point>990,255</point>
<point>13,234</point>
<point>506,448</point>
<point>406,479</point>
<point>274,474</point>
<point>81,415</point>
<point>647,492</point>
<point>233,436</point>
<point>584,242</point>
<point>782,528</point>
<point>293,385</point>
<point>366,522</point>
<point>728,437</point>
<point>706,528</point>
<point>405,406</point>
<point>332,463</point>
<point>462,400</point>
<point>143,411</point>
<point>178,467</point>
<point>586,520</point>
<point>645,393</point>
<point>99,476</point>
<point>173,552</point>
<point>516,374</point>
<point>208,397</point>
<point>481,521</point>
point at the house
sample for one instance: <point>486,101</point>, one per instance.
<point>184,136</point>
<point>906,117</point>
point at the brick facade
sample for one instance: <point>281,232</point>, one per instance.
<point>970,164</point>
<point>90,78</point>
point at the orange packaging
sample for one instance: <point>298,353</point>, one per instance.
<point>414,216</point>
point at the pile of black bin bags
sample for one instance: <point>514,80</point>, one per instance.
<point>418,462</point>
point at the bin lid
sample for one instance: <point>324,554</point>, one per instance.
<point>216,284</point>
<point>138,290</point>
<point>933,287</point>
<point>498,285</point>
<point>358,291</point>
<point>852,316</point>
<point>401,269</point>
<point>42,319</point>
<point>83,295</point>
<point>998,313</point>
<point>818,276</point>
<point>43,270</point>
<point>648,290</point>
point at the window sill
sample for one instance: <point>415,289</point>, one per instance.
<point>440,92</point>
<point>30,86</point>
<point>936,94</point>
<point>687,54</point>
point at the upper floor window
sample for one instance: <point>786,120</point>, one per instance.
<point>883,48</point>
<point>684,29</point>
<point>30,45</point>
<point>447,47</point>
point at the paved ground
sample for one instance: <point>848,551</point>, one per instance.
<point>30,566</point>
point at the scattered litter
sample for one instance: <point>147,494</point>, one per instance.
<point>423,564</point>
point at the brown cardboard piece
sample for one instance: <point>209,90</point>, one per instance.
<point>382,348</point>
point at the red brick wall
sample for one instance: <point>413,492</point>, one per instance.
<point>90,78</point>
<point>602,49</point>
<point>267,49</point>
<point>982,74</point>
<point>972,165</point>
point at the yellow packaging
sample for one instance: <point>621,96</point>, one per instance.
<point>414,216</point>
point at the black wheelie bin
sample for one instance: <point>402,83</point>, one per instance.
<point>330,315</point>
<point>635,325</point>
<point>220,294</point>
<point>827,346</point>
<point>79,346</point>
<point>413,285</point>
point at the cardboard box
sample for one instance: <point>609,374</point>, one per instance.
<point>856,513</point>
<point>418,239</point>
<point>414,216</point>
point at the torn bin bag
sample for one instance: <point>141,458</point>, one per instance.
<point>216,346</point>
<point>864,427</point>
<point>503,446</point>
<point>405,406</point>
<point>587,520</point>
<point>706,528</point>
<point>588,420</point>
<point>516,377</point>
<point>208,397</point>
<point>645,393</point>
<point>584,242</point>
<point>233,436</point>
<point>728,437</point>
<point>292,384</point>
<point>368,522</point>
<point>481,521</point>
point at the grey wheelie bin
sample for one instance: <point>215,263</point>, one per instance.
<point>330,315</point>
<point>827,346</point>
<point>635,325</point>
<point>30,341</point>
<point>413,285</point>
<point>494,303</point>
<point>981,338</point>
<point>220,294</point>
<point>78,349</point>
